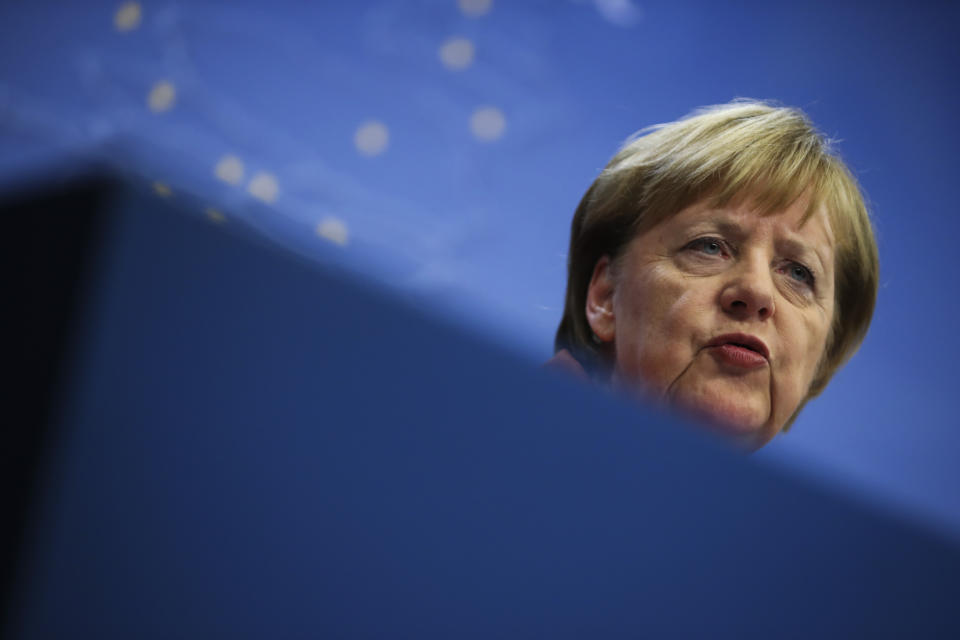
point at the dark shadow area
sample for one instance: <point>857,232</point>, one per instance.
<point>52,230</point>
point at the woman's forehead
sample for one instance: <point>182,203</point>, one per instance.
<point>745,215</point>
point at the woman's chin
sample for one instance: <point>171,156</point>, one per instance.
<point>741,416</point>
<point>742,423</point>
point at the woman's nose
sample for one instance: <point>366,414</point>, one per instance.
<point>749,291</point>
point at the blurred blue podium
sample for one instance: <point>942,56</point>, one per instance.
<point>243,444</point>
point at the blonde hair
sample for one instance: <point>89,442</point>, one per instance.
<point>771,154</point>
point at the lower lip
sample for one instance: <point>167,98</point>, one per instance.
<point>738,356</point>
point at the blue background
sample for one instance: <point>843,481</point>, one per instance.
<point>476,229</point>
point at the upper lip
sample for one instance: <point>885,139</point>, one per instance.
<point>743,340</point>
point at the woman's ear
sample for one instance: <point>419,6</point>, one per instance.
<point>600,301</point>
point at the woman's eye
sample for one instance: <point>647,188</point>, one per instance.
<point>799,273</point>
<point>708,246</point>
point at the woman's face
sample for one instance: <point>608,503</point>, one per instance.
<point>723,312</point>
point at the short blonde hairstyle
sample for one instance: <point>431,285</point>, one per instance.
<point>772,155</point>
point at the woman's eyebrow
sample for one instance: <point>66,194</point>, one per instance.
<point>729,227</point>
<point>725,226</point>
<point>802,250</point>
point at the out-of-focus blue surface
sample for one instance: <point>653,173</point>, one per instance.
<point>477,224</point>
<point>250,447</point>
